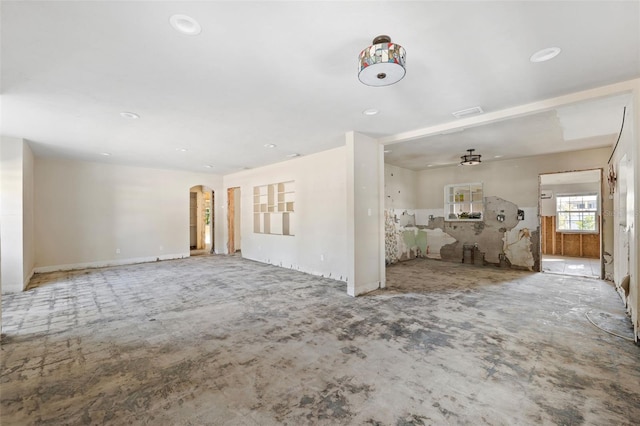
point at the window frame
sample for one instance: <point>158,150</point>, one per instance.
<point>596,213</point>
<point>450,201</point>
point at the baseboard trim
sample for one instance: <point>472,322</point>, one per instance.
<point>106,263</point>
<point>25,284</point>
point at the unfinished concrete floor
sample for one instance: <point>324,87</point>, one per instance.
<point>565,265</point>
<point>222,340</point>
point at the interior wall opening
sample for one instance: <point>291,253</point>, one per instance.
<point>201,220</point>
<point>571,225</point>
<point>233,220</point>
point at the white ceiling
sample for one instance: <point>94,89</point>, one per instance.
<point>589,124</point>
<point>285,73</point>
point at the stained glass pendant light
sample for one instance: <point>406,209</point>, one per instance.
<point>470,159</point>
<point>382,63</point>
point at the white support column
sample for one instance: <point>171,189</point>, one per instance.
<point>634,240</point>
<point>16,214</point>
<point>365,230</point>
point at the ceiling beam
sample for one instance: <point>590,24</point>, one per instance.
<point>513,112</point>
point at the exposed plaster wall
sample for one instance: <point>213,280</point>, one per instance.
<point>406,236</point>
<point>86,212</point>
<point>399,214</point>
<point>509,185</point>
<point>491,237</point>
<point>411,232</point>
<point>409,242</point>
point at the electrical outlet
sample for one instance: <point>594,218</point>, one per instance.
<point>117,251</point>
<point>322,257</point>
<point>161,248</point>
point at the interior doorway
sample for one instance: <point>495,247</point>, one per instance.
<point>571,232</point>
<point>233,220</point>
<point>201,220</point>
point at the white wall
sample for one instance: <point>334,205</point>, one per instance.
<point>319,244</point>
<point>28,221</point>
<point>626,161</point>
<point>85,212</point>
<point>12,215</point>
<point>513,180</point>
<point>634,122</point>
<point>399,188</point>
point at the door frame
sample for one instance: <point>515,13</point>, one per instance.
<point>231,220</point>
<point>600,215</point>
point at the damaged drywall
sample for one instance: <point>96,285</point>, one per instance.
<point>517,248</point>
<point>500,238</point>
<point>496,235</point>
<point>404,240</point>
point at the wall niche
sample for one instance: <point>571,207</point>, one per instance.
<point>273,208</point>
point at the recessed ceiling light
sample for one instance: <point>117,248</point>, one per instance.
<point>545,54</point>
<point>129,115</point>
<point>386,151</point>
<point>370,111</point>
<point>208,166</point>
<point>106,154</point>
<point>497,156</point>
<point>185,24</point>
<point>294,155</point>
<point>182,149</point>
<point>429,165</point>
<point>270,145</point>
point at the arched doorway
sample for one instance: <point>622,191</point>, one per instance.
<point>201,220</point>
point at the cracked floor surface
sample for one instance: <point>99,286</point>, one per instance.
<point>221,340</point>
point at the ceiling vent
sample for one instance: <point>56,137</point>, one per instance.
<point>467,112</point>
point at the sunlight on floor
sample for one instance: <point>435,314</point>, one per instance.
<point>580,266</point>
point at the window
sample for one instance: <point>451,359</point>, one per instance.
<point>577,213</point>
<point>463,201</point>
